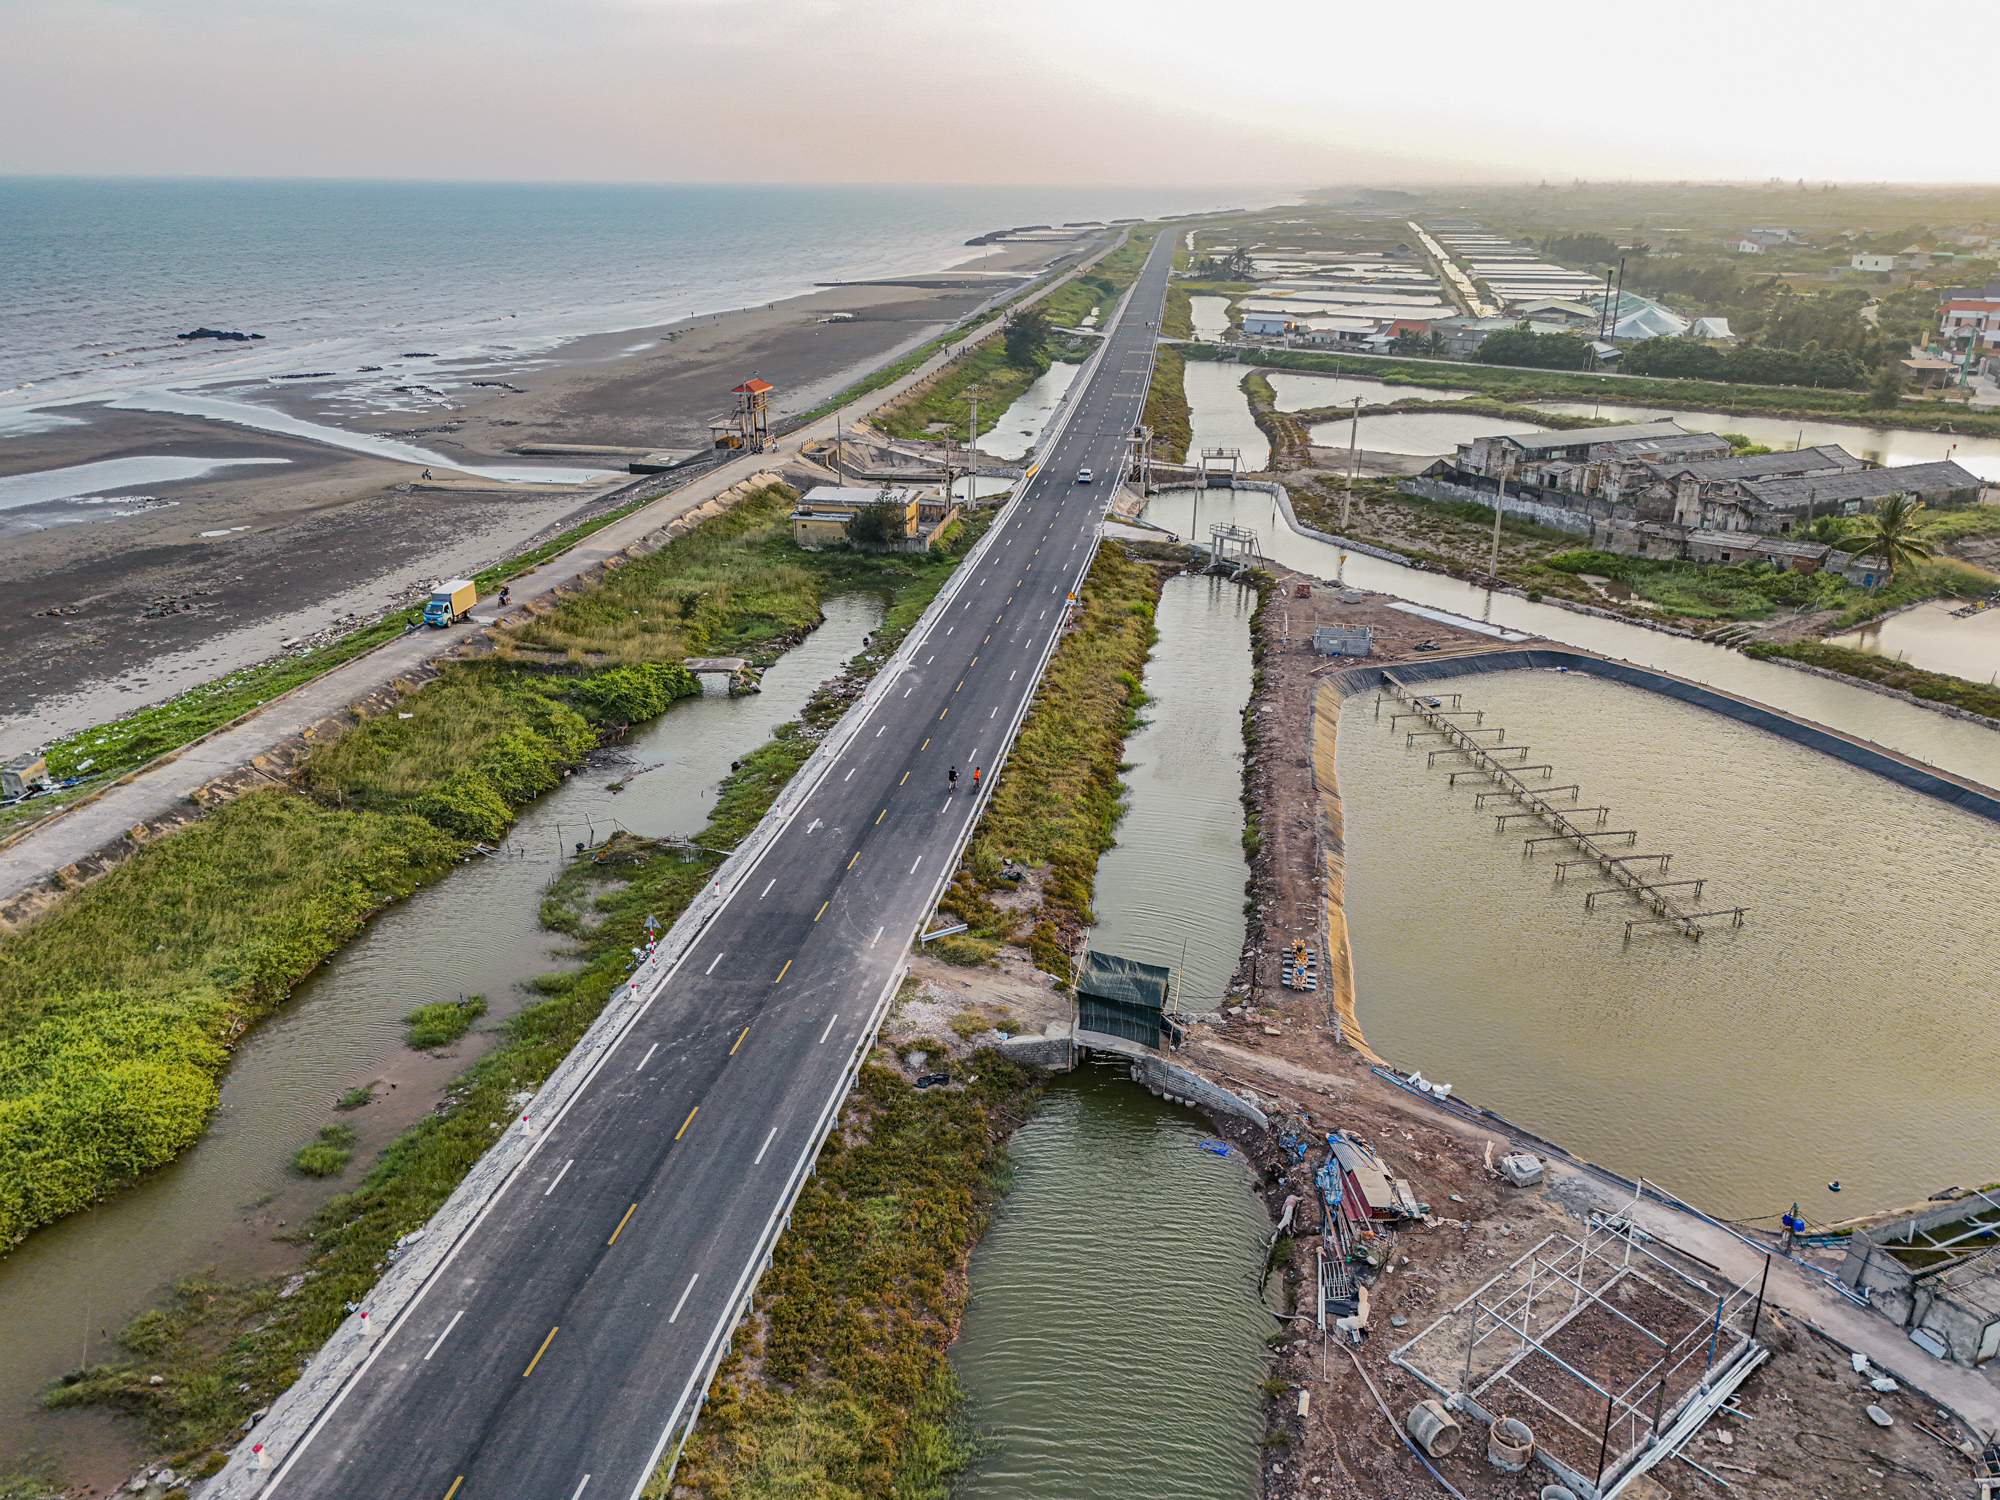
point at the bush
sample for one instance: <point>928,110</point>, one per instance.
<point>1540,351</point>
<point>329,1155</point>
<point>967,1024</point>
<point>441,1024</point>
<point>354,1098</point>
<point>629,694</point>
<point>963,949</point>
<point>1589,560</point>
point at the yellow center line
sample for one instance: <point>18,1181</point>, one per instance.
<point>781,974</point>
<point>881,815</point>
<point>739,1041</point>
<point>906,777</point>
<point>975,660</point>
<point>988,638</point>
<point>454,1487</point>
<point>925,745</point>
<point>945,712</point>
<point>822,910</point>
<point>621,1225</point>
<point>961,686</point>
<point>531,1366</point>
<point>857,855</point>
<point>693,1112</point>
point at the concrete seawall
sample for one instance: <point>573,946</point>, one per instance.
<point>1970,796</point>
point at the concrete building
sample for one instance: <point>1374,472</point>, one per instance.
<point>1935,1273</point>
<point>1267,324</point>
<point>1943,485</point>
<point>917,518</point>
<point>1974,320</point>
<point>1717,494</point>
<point>1866,261</point>
<point>1580,459</point>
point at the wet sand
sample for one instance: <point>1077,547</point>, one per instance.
<point>107,615</point>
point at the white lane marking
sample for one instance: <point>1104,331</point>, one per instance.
<point>906,693</point>
<point>712,963</point>
<point>767,889</point>
<point>995,711</point>
<point>929,659</point>
<point>878,936</point>
<point>765,1147</point>
<point>947,806</point>
<point>1042,616</point>
<point>579,1488</point>
<point>647,1058</point>
<point>551,1187</point>
<point>948,632</point>
<point>850,772</point>
<point>451,1325</point>
<point>914,863</point>
<point>828,1032</point>
<point>1010,675</point>
<point>684,1297</point>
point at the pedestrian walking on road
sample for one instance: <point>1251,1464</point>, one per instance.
<point>953,778</point>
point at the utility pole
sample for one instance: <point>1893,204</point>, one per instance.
<point>1499,504</point>
<point>972,459</point>
<point>1353,454</point>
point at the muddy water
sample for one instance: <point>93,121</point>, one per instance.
<point>1844,1033</point>
<point>77,1282</point>
<point>1929,637</point>
<point>1210,316</point>
<point>1950,743</point>
<point>1115,1336</point>
<point>1882,445</point>
<point>1415,432</point>
<point>1296,391</point>
<point>1020,425</point>
<point>1219,413</point>
<point>1177,874</point>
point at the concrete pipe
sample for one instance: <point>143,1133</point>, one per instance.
<point>1510,1443</point>
<point>1557,1492</point>
<point>1433,1428</point>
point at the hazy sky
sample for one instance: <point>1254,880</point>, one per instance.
<point>1295,92</point>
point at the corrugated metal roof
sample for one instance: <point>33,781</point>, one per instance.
<point>1869,484</point>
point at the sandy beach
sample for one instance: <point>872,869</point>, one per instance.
<point>109,614</point>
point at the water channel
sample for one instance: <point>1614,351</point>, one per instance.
<point>75,1283</point>
<point>1020,426</point>
<point>1177,873</point>
<point>1115,1335</point>
<point>1930,637</point>
<point>1219,413</point>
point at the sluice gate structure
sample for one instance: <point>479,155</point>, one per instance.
<point>1639,876</point>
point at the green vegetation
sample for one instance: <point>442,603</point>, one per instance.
<point>1746,364</point>
<point>1974,697</point>
<point>445,1022</point>
<point>1891,533</point>
<point>117,1009</point>
<point>1542,351</point>
<point>840,1388</point>
<point>1754,591</point>
<point>1291,442</point>
<point>1026,337</point>
<point>355,1098</point>
<point>967,952</point>
<point>1167,410</point>
<point>1059,799</point>
<point>329,1155</point>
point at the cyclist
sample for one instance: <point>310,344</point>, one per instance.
<point>975,778</point>
<point>953,778</point>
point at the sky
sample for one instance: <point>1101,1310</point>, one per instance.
<point>1287,92</point>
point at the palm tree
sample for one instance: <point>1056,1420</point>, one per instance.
<point>1891,534</point>
<point>1434,344</point>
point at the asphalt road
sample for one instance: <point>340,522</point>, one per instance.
<point>557,1348</point>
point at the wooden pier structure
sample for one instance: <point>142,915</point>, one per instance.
<point>1566,825</point>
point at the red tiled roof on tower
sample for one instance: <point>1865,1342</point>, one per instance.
<point>752,387</point>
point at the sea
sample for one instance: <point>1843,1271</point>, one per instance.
<point>99,275</point>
